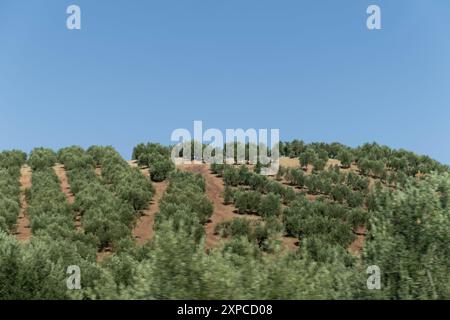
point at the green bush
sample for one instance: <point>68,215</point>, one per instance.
<point>160,170</point>
<point>236,228</point>
<point>13,158</point>
<point>42,158</point>
<point>228,195</point>
<point>247,201</point>
<point>270,205</point>
<point>231,176</point>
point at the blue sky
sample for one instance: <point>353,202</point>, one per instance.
<point>140,69</point>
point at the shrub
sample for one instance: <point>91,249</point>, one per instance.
<point>236,228</point>
<point>42,158</point>
<point>9,211</point>
<point>307,157</point>
<point>288,195</point>
<point>355,199</point>
<point>318,164</point>
<point>269,205</point>
<point>358,218</point>
<point>231,176</point>
<point>13,158</point>
<point>160,170</point>
<point>247,201</point>
<point>75,157</point>
<point>257,182</point>
<point>346,158</point>
<point>228,195</point>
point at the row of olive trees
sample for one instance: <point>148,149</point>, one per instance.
<point>156,157</point>
<point>326,220</point>
<point>185,204</point>
<point>252,193</point>
<point>348,188</point>
<point>10,164</point>
<point>374,158</point>
<point>409,240</point>
<point>329,221</point>
<point>38,268</point>
<point>51,215</point>
<point>126,182</point>
<point>108,205</point>
<point>242,176</point>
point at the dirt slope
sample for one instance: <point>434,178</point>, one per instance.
<point>23,231</point>
<point>214,191</point>
<point>98,172</point>
<point>143,231</point>
<point>65,187</point>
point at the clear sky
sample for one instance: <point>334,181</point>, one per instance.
<point>137,70</point>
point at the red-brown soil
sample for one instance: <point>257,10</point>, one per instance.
<point>23,230</point>
<point>101,255</point>
<point>357,245</point>
<point>143,231</point>
<point>214,191</point>
<point>65,187</point>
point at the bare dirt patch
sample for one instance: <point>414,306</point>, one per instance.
<point>103,254</point>
<point>289,162</point>
<point>23,230</point>
<point>290,244</point>
<point>143,231</point>
<point>65,187</point>
<point>98,171</point>
<point>214,191</point>
<point>357,245</point>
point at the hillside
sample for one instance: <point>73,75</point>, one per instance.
<point>147,229</point>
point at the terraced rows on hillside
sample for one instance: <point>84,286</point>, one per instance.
<point>214,191</point>
<point>140,228</point>
<point>23,231</point>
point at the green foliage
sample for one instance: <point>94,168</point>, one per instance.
<point>270,205</point>
<point>75,157</point>
<point>407,223</point>
<point>156,157</point>
<point>42,158</point>
<point>346,158</point>
<point>231,176</point>
<point>228,195</point>
<point>144,152</point>
<point>160,170</point>
<point>247,201</point>
<point>304,219</point>
<point>100,153</point>
<point>109,206</point>
<point>296,177</point>
<point>307,157</point>
<point>319,164</point>
<point>185,204</point>
<point>410,241</point>
<point>12,159</point>
<point>9,194</point>
<point>236,228</point>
